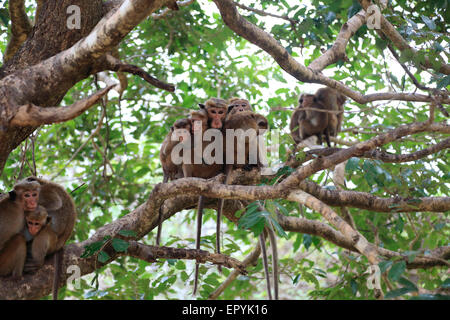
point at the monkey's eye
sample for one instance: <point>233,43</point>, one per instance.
<point>220,112</point>
<point>31,223</point>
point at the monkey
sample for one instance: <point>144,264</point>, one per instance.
<point>306,123</point>
<point>217,111</point>
<point>180,130</point>
<point>238,105</point>
<point>39,234</point>
<point>332,100</point>
<point>201,121</point>
<point>23,198</point>
<point>245,120</point>
<point>61,210</point>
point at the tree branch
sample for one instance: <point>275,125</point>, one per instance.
<point>152,253</point>
<point>115,64</point>
<point>31,115</point>
<point>20,27</point>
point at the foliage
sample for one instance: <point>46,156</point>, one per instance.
<point>115,172</point>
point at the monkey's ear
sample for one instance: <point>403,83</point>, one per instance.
<point>202,106</point>
<point>12,195</point>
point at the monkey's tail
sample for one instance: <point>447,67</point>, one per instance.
<point>199,234</point>
<point>160,221</point>
<point>273,244</point>
<point>262,243</point>
<point>58,258</point>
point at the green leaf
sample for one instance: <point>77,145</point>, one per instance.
<point>103,257</point>
<point>397,293</point>
<point>120,245</point>
<point>397,270</point>
<point>128,233</point>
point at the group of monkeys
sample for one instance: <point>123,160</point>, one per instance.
<point>36,219</point>
<point>318,114</point>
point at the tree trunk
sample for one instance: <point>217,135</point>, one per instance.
<point>49,36</point>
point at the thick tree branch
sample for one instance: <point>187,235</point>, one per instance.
<point>31,115</point>
<point>337,51</point>
<point>20,27</point>
<point>367,201</point>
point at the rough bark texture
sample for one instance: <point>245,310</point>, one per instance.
<point>48,37</point>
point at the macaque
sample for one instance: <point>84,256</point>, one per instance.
<point>245,120</point>
<point>178,132</point>
<point>61,211</point>
<point>332,100</point>
<point>23,198</point>
<point>216,109</point>
<point>200,123</point>
<point>238,105</point>
<point>40,235</point>
<point>306,123</point>
<point>181,129</point>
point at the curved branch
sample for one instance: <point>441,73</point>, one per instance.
<point>152,253</point>
<point>20,27</point>
<point>31,115</point>
<point>115,64</point>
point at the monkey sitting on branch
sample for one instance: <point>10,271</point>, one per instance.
<point>312,119</point>
<point>23,203</point>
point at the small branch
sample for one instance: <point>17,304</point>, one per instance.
<point>157,16</point>
<point>31,115</point>
<point>151,253</point>
<point>249,260</point>
<point>20,27</point>
<point>263,13</point>
<point>115,64</point>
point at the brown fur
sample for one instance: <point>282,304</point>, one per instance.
<point>12,221</point>
<point>306,123</point>
<point>332,100</point>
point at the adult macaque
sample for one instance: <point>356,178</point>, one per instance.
<point>24,197</point>
<point>332,100</point>
<point>180,130</point>
<point>61,211</point>
<point>216,109</point>
<point>247,120</point>
<point>306,122</point>
<point>238,105</point>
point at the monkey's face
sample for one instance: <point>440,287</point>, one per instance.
<point>306,100</point>
<point>216,116</point>
<point>30,200</point>
<point>239,106</point>
<point>34,226</point>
